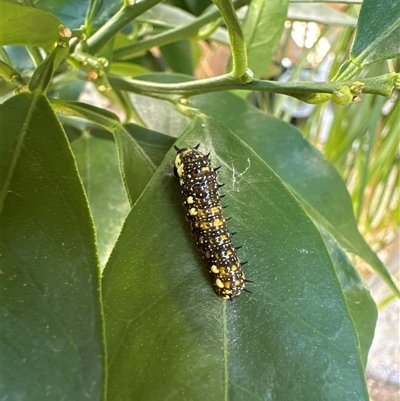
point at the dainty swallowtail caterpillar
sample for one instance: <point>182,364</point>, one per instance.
<point>199,187</point>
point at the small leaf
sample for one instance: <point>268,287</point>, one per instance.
<point>377,37</point>
<point>262,30</point>
<point>378,32</point>
<point>51,330</point>
<point>98,165</point>
<point>41,78</point>
<point>19,26</point>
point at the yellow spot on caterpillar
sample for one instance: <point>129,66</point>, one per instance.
<point>237,282</point>
<point>217,222</point>
<point>219,283</point>
<point>215,209</point>
<point>189,200</point>
<point>223,237</point>
<point>201,239</point>
<point>227,284</point>
<point>179,170</point>
<point>204,226</point>
<point>193,211</point>
<point>229,252</point>
<point>234,268</point>
<point>205,169</point>
<point>214,269</point>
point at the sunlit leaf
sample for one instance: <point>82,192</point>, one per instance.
<point>19,26</point>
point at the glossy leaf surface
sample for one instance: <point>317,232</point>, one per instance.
<point>359,301</point>
<point>262,30</point>
<point>51,315</point>
<point>136,167</point>
<point>378,32</point>
<point>98,165</point>
<point>312,178</point>
<point>18,26</point>
<point>178,340</point>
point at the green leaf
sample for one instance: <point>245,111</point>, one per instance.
<point>165,15</point>
<point>98,165</point>
<point>262,30</point>
<point>377,37</point>
<point>178,56</point>
<point>154,144</point>
<point>178,340</point>
<point>19,26</point>
<point>70,12</point>
<point>359,301</point>
<point>378,32</point>
<point>159,115</point>
<point>127,69</point>
<point>52,345</point>
<point>136,167</point>
<point>41,78</point>
<point>311,177</point>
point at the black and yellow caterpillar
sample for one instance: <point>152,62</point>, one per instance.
<point>199,187</point>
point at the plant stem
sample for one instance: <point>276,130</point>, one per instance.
<point>381,85</point>
<point>238,45</point>
<point>125,15</point>
<point>178,33</point>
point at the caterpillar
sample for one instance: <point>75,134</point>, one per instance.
<point>199,187</point>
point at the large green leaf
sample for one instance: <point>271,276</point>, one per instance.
<point>51,315</point>
<point>98,165</point>
<point>170,337</point>
<point>19,26</point>
<point>312,178</point>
